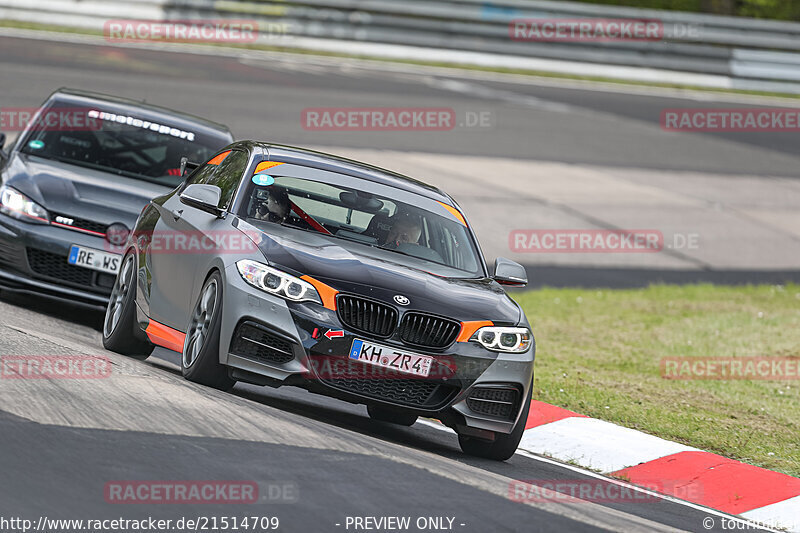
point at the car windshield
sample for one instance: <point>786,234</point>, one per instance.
<point>121,144</point>
<point>419,237</point>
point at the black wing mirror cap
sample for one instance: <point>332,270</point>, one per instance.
<point>510,273</point>
<point>203,197</point>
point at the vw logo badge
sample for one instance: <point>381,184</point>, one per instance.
<point>401,300</point>
<point>117,234</point>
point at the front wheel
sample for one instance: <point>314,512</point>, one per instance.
<point>119,325</point>
<point>503,446</point>
<point>200,358</point>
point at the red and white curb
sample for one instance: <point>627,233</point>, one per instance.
<point>690,474</point>
<point>685,473</point>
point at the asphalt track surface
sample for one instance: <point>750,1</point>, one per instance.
<point>61,441</point>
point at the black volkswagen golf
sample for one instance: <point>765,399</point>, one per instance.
<point>74,182</point>
<point>281,266</point>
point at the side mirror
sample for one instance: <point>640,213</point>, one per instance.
<point>203,197</point>
<point>507,272</point>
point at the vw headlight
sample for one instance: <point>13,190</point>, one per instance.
<point>15,204</point>
<point>502,339</point>
<point>276,282</point>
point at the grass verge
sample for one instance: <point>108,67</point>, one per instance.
<point>599,353</point>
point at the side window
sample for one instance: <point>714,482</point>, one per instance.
<point>226,175</point>
<point>229,176</point>
<point>201,175</point>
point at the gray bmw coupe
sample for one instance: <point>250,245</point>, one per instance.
<point>277,266</point>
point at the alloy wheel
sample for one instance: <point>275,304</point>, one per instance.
<point>118,295</point>
<point>201,322</point>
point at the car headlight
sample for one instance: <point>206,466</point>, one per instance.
<point>501,339</point>
<point>276,282</point>
<point>15,204</point>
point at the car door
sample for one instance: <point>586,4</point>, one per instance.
<point>181,240</point>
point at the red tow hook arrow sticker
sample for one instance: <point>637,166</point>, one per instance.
<point>332,333</point>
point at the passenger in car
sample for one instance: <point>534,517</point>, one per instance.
<point>404,230</point>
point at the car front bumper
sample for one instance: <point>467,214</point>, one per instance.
<point>286,351</point>
<point>33,259</point>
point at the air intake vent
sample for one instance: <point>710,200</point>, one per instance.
<point>421,393</point>
<point>55,266</point>
<point>428,331</point>
<point>256,343</point>
<point>366,316</point>
<point>500,402</point>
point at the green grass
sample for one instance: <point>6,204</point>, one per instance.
<point>458,66</point>
<point>598,353</point>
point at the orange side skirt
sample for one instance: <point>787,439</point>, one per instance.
<point>165,336</point>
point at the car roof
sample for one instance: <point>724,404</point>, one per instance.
<point>342,165</point>
<point>81,97</point>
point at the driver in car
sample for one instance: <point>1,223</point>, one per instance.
<point>275,208</point>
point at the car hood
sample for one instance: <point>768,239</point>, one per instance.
<point>355,268</point>
<point>80,192</point>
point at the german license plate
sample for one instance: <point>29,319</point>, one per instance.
<point>391,358</point>
<point>94,259</point>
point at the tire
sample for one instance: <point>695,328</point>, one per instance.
<point>391,416</point>
<point>200,357</point>
<point>503,446</point>
<point>120,327</point>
